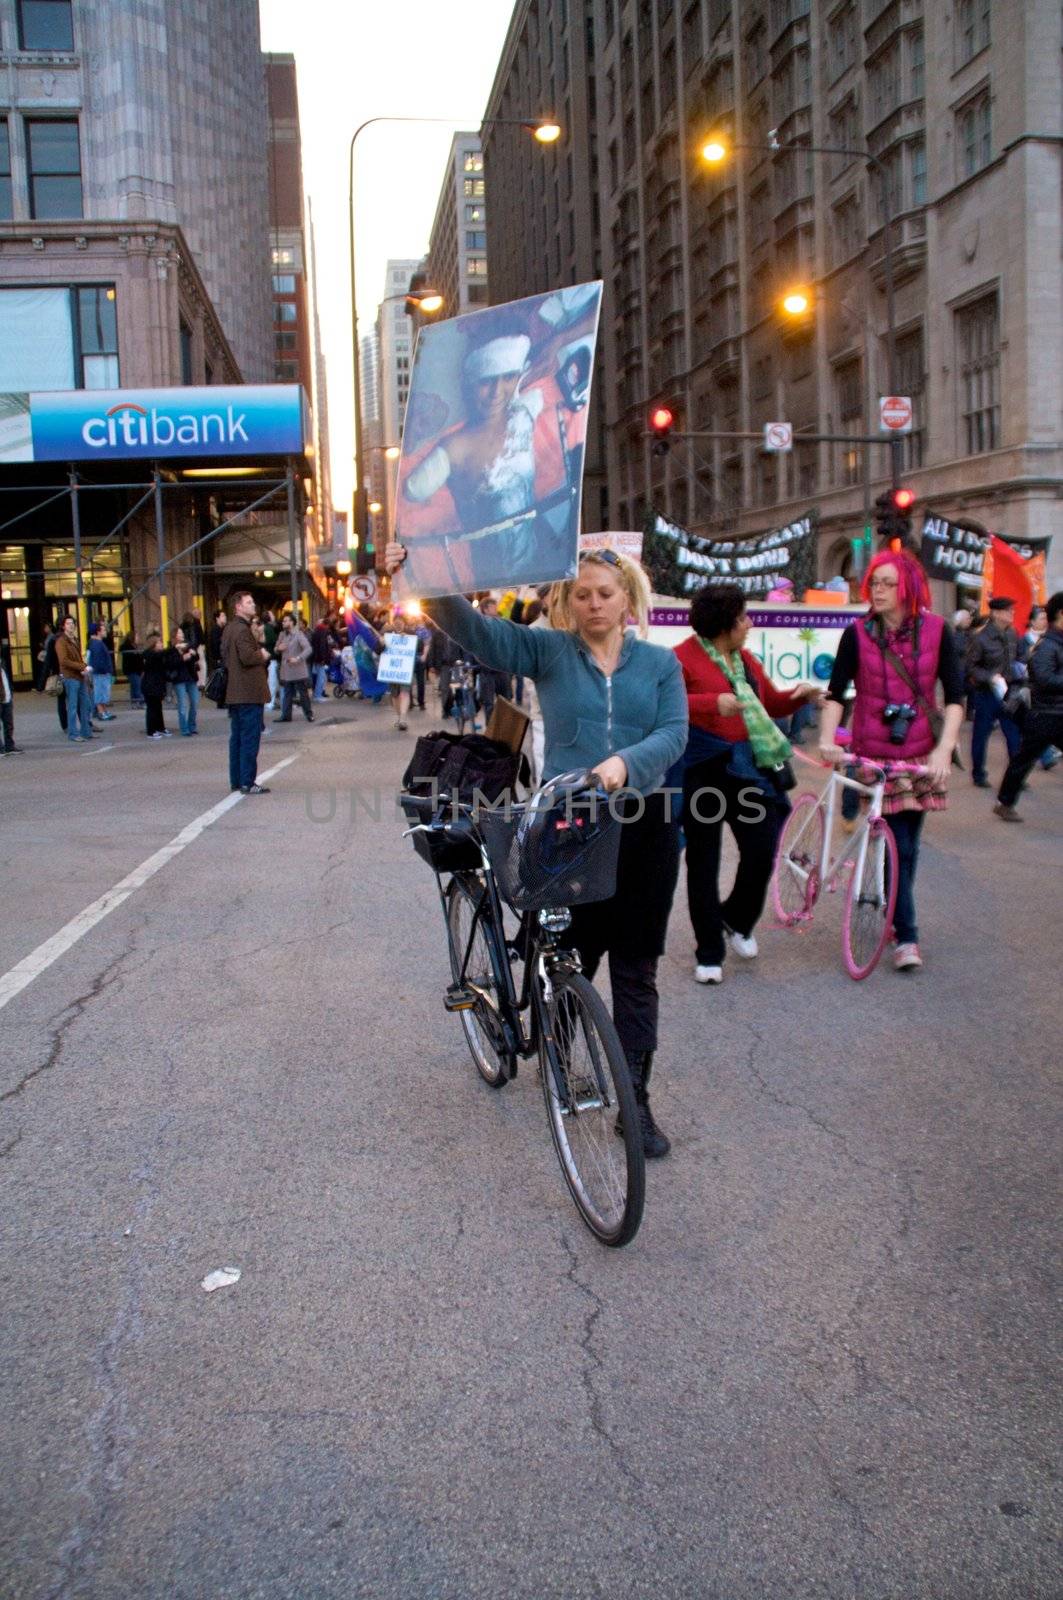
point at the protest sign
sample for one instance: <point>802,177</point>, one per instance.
<point>397,663</point>
<point>624,544</point>
<point>953,553</point>
<point>491,475</point>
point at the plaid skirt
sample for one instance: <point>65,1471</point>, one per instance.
<point>905,791</point>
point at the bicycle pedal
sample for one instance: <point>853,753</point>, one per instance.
<point>458,998</point>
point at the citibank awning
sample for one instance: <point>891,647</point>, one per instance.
<point>110,425</point>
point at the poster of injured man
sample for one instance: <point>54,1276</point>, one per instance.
<point>491,473</point>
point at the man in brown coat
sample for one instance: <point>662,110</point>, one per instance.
<point>75,674</point>
<point>246,692</point>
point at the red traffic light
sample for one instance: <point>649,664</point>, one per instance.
<point>661,419</point>
<point>903,498</point>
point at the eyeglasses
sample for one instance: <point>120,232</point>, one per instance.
<point>610,557</point>
<point>883,583</point>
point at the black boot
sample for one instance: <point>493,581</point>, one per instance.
<point>654,1142</point>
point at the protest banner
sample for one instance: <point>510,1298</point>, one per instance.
<point>679,561</point>
<point>397,663</point>
<point>491,475</point>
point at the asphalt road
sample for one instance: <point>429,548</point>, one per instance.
<point>827,1367</point>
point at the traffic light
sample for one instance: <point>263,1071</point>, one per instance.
<point>662,421</point>
<point>893,516</point>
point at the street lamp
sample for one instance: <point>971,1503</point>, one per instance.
<point>717,148</point>
<point>796,302</point>
<point>544,129</point>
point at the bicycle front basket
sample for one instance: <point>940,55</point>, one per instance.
<point>569,861</point>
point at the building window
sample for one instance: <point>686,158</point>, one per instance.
<point>978,342</point>
<point>474,161</point>
<point>184,335</point>
<point>845,132</point>
<point>54,169</point>
<point>472,188</point>
<point>283,256</point>
<point>285,339</point>
<point>972,27</point>
<point>849,237</point>
<point>97,326</point>
<point>5,172</point>
<point>884,81</point>
<point>851,418</point>
<point>911,380</point>
<point>916,64</point>
<point>756,55</point>
<point>45,25</point>
<point>476,267</point>
<point>918,170</point>
<point>284,283</point>
<point>475,241</point>
<point>975,135</point>
<point>841,40</point>
<point>285,311</point>
<point>287,371</point>
<point>474,214</point>
<point>477,294</point>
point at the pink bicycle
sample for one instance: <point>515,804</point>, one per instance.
<point>805,866</point>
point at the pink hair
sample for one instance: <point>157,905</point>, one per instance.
<point>913,591</point>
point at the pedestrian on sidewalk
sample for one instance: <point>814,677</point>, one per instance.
<point>186,682</point>
<point>734,763</point>
<point>991,672</point>
<point>7,707</point>
<point>74,671</point>
<point>247,691</point>
<point>102,664</point>
<point>214,638</point>
<point>897,655</point>
<point>1043,726</point>
<point>270,634</point>
<point>40,670</point>
<point>133,666</point>
<point>160,669</point>
<point>321,658</point>
<point>51,669</point>
<point>294,651</point>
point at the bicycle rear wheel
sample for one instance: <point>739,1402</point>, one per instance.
<point>587,1088</point>
<point>869,902</point>
<point>795,876</point>
<point>482,1023</point>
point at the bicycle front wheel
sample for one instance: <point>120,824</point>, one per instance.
<point>869,902</point>
<point>591,1109</point>
<point>482,1023</point>
<point>795,878</point>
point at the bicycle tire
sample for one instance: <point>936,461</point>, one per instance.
<point>869,903</point>
<point>337,691</point>
<point>795,892</point>
<point>493,1062</point>
<point>605,1174</point>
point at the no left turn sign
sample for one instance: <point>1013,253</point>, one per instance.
<point>895,413</point>
<point>364,586</point>
<point>778,436</point>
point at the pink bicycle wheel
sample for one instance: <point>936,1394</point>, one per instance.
<point>795,876</point>
<point>869,902</point>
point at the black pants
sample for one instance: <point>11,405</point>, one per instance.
<point>755,822</point>
<point>906,828</point>
<point>419,671</point>
<point>288,692</point>
<point>631,927</point>
<point>153,714</point>
<point>7,719</point>
<point>1039,730</point>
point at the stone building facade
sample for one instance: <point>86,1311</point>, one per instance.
<point>959,106</point>
<point>457,247</point>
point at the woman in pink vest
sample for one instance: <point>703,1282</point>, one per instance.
<point>897,655</point>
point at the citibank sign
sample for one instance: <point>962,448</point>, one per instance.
<point>88,425</point>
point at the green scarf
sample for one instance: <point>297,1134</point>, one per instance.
<point>770,747</point>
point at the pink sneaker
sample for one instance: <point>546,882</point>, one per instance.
<point>906,958</point>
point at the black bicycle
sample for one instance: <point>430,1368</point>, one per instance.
<point>540,858</point>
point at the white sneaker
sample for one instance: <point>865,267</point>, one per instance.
<point>708,974</point>
<point>742,946</point>
<point>906,958</point>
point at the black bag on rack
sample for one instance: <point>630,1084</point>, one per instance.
<point>464,765</point>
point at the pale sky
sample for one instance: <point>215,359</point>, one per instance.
<point>429,58</point>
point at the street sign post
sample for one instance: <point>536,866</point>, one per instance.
<point>895,413</point>
<point>778,436</point>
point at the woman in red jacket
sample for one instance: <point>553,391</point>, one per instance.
<point>735,764</point>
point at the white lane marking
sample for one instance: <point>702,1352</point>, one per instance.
<point>100,748</point>
<point>39,960</point>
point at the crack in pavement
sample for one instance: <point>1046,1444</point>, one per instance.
<point>67,1017</point>
<point>109,1435</point>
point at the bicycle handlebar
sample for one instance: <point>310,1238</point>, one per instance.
<point>886,767</point>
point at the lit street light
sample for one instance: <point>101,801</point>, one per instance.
<point>717,148</point>
<point>546,131</point>
<point>796,302</point>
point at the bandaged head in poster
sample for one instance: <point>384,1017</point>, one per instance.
<point>491,474</point>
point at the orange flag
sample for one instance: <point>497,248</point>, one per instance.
<point>1005,573</point>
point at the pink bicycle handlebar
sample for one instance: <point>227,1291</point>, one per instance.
<point>916,768</point>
